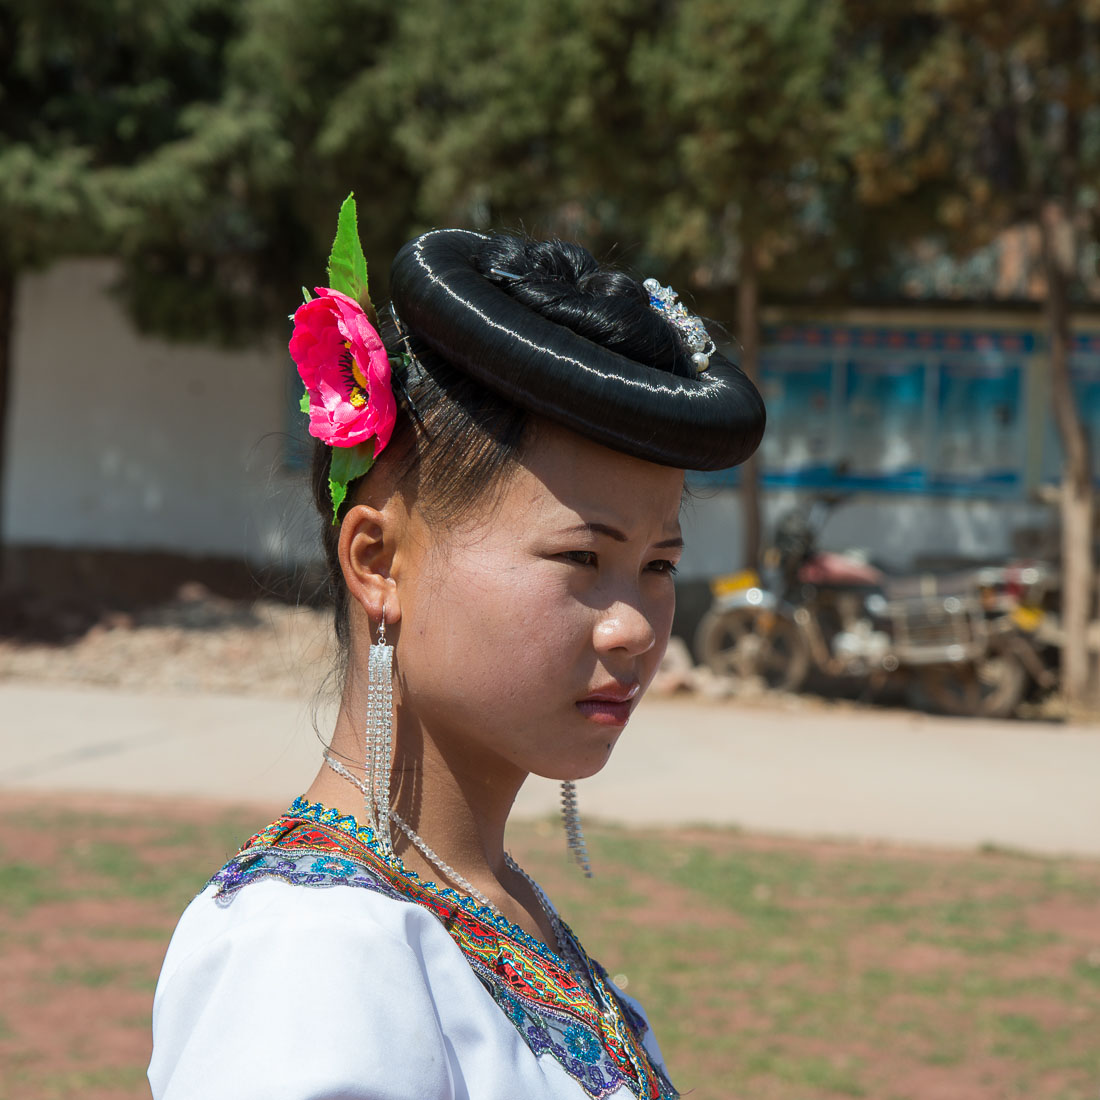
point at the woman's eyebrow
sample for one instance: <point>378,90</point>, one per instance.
<point>614,533</point>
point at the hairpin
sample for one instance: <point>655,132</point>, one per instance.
<point>667,302</point>
<point>504,274</point>
<point>401,331</point>
<point>413,370</point>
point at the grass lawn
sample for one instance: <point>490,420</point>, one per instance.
<point>772,970</point>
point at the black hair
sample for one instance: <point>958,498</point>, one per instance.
<point>564,283</point>
<point>463,415</point>
<point>580,346</point>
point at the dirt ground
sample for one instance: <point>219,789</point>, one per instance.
<point>776,969</point>
<point>195,642</point>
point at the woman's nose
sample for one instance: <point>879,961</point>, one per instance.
<point>625,628</point>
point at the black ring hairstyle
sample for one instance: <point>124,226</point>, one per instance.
<point>443,292</point>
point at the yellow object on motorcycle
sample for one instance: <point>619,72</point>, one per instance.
<point>1027,618</point>
<point>734,582</point>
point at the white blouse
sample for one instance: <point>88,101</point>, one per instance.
<point>289,991</point>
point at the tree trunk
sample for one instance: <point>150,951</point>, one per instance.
<point>1077,504</point>
<point>748,325</point>
<point>7,329</point>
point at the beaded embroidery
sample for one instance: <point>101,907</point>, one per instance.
<point>600,1048</point>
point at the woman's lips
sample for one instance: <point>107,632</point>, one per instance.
<point>610,707</point>
<point>604,712</point>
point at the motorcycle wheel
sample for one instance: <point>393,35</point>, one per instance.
<point>990,688</point>
<point>746,642</point>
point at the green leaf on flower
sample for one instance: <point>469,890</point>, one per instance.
<point>347,266</point>
<point>303,404</point>
<point>347,464</point>
<point>306,296</point>
<point>337,490</point>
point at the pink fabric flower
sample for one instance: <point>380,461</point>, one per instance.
<point>346,371</point>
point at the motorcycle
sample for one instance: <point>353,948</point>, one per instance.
<point>811,611</point>
<point>1019,601</point>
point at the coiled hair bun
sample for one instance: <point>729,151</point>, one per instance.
<point>564,283</point>
<point>541,324</point>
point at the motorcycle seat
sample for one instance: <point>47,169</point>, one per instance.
<point>916,585</point>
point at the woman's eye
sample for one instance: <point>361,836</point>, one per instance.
<point>581,557</point>
<point>663,565</point>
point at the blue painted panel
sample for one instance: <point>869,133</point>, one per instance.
<point>978,432</point>
<point>798,444</point>
<point>883,446</point>
<point>934,411</point>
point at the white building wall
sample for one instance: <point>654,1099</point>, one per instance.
<point>120,441</point>
<point>124,442</point>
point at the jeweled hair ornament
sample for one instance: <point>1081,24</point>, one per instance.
<point>676,416</point>
<point>667,302</point>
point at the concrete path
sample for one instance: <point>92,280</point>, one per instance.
<point>876,775</point>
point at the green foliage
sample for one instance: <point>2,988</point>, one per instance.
<point>685,128</point>
<point>183,137</point>
<point>750,99</point>
<point>547,133</point>
<point>296,69</point>
<point>976,113</point>
<point>207,142</point>
<point>346,465</point>
<point>347,266</point>
<point>86,91</point>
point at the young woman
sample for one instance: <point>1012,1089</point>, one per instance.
<point>502,577</point>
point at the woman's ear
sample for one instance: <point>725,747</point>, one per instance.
<point>368,539</point>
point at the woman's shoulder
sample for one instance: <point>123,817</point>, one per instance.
<point>306,886</point>
<point>320,983</point>
<point>273,910</point>
<point>298,953</point>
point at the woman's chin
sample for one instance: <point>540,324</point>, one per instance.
<point>578,767</point>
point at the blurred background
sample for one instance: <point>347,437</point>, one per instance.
<point>890,207</point>
<point>889,211</point>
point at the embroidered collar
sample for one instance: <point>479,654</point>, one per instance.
<point>597,1041</point>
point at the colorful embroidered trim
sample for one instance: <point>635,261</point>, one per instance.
<point>599,1046</point>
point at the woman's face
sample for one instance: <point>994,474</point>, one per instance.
<point>529,631</point>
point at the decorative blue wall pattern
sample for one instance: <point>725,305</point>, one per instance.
<point>944,411</point>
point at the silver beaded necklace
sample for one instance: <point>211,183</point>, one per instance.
<point>459,880</point>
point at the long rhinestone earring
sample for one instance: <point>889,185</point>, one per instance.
<point>379,735</point>
<point>571,819</point>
